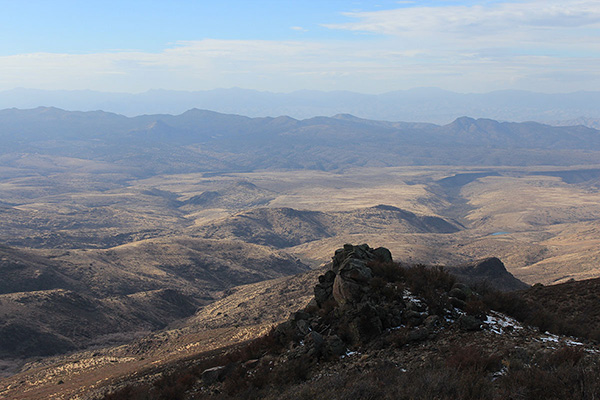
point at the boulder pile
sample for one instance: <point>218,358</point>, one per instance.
<point>365,294</point>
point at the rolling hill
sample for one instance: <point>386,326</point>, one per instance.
<point>286,227</point>
<point>58,301</point>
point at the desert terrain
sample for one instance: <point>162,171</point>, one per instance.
<point>121,260</point>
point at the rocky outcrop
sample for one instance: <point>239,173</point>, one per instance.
<point>352,275</point>
<point>365,296</point>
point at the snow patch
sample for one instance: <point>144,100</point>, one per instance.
<point>407,295</point>
<point>350,354</point>
<point>550,337</point>
<point>499,323</point>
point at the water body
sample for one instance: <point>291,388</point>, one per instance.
<point>500,233</point>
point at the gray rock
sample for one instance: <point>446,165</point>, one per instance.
<point>417,335</point>
<point>383,255</point>
<point>317,340</point>
<point>327,278</point>
<point>413,306</point>
<point>356,270</point>
<point>458,303</point>
<point>352,275</point>
<point>431,322</point>
<point>336,345</point>
<point>324,289</point>
<point>322,294</point>
<point>461,286</point>
<point>303,327</point>
<point>469,323</point>
<point>346,291</point>
<point>458,294</point>
<point>413,317</point>
<point>251,363</point>
<point>213,375</point>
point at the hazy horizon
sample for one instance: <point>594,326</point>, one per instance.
<point>417,105</point>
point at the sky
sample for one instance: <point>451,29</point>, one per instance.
<point>288,45</point>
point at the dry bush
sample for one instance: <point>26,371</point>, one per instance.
<point>422,278</point>
<point>129,393</point>
<point>388,271</point>
<point>472,358</point>
<point>476,307</point>
<point>567,355</point>
<point>535,314</point>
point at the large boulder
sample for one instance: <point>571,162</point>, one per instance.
<point>352,273</point>
<point>324,289</point>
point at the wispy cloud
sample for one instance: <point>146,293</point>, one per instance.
<point>555,26</point>
<point>535,45</point>
<point>489,19</point>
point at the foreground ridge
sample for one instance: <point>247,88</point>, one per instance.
<point>380,329</point>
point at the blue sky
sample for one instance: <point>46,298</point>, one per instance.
<point>286,45</point>
<point>92,26</point>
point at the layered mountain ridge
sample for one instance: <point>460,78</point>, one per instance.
<point>418,104</point>
<point>200,140</point>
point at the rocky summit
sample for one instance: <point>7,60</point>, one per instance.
<point>379,329</point>
<point>365,295</point>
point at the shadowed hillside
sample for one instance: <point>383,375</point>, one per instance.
<point>375,328</point>
<point>58,301</point>
<point>286,227</point>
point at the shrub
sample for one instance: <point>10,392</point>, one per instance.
<point>473,358</point>
<point>389,271</point>
<point>421,279</point>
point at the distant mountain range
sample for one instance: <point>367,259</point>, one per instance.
<point>206,141</point>
<point>422,104</point>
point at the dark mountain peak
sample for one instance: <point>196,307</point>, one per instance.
<point>198,111</point>
<point>283,120</point>
<point>205,198</point>
<point>347,117</point>
<point>207,114</point>
<point>385,207</point>
<point>468,123</point>
<point>490,265</point>
<point>463,121</point>
<point>490,270</point>
<point>55,112</point>
<point>281,211</point>
<point>240,195</point>
<point>48,110</point>
<point>246,184</point>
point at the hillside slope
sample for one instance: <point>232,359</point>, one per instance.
<point>376,329</point>
<point>286,227</point>
<point>58,301</point>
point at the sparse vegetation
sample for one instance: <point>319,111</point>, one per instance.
<point>538,307</point>
<point>469,373</point>
<point>98,228</point>
<point>452,363</point>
